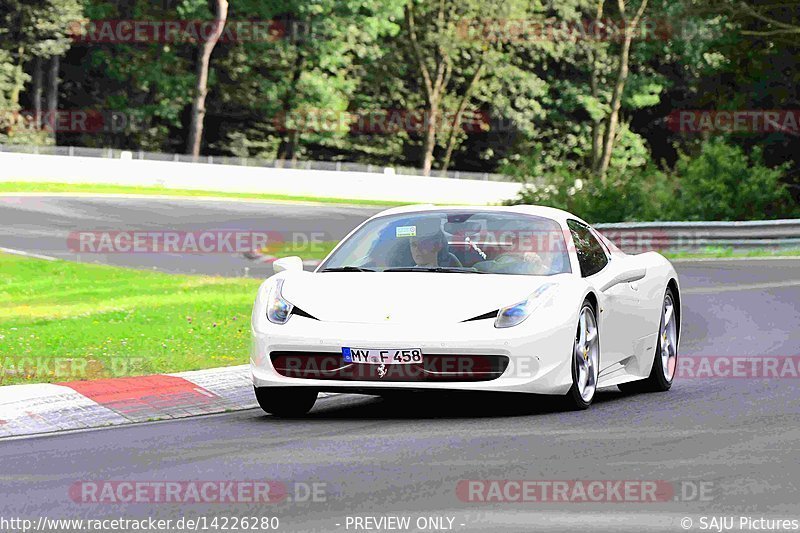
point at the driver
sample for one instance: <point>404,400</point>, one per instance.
<point>429,245</point>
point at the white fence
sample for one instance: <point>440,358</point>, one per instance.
<point>300,164</point>
<point>245,179</point>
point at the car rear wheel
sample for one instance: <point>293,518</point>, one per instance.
<point>285,402</point>
<point>665,361</point>
<point>585,360</point>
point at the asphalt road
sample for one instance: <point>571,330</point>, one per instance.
<point>44,224</point>
<point>738,439</point>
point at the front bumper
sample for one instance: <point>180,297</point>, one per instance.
<point>537,353</point>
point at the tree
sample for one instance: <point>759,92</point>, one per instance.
<point>611,122</point>
<point>304,88</point>
<point>201,89</point>
<point>6,86</point>
<point>461,61</point>
<point>779,21</point>
<point>724,183</point>
<point>32,31</point>
<point>148,84</point>
<point>756,60</point>
<point>435,78</point>
<point>581,69</point>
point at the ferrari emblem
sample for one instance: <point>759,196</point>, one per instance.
<point>381,371</point>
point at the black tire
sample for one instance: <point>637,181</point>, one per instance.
<point>656,381</point>
<point>573,399</point>
<point>285,402</point>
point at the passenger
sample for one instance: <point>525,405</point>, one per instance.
<point>530,262</point>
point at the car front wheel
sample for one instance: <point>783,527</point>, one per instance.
<point>585,360</point>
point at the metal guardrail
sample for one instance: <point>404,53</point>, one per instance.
<point>341,166</point>
<point>638,237</point>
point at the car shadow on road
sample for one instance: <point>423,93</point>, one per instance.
<point>451,405</point>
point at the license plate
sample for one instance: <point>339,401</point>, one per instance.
<point>371,356</point>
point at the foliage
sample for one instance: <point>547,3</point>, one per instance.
<point>29,29</point>
<point>638,194</point>
<point>534,83</point>
<point>723,183</point>
<point>294,91</point>
<point>719,183</point>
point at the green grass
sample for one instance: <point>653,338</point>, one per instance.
<point>725,253</point>
<point>62,321</point>
<point>312,251</point>
<point>89,188</point>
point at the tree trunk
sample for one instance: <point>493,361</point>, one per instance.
<point>462,108</point>
<point>597,134</point>
<point>430,120</point>
<point>37,93</point>
<point>435,87</point>
<point>287,149</point>
<point>597,130</point>
<point>201,89</point>
<point>52,95</point>
<point>19,71</point>
<point>451,140</point>
<point>610,133</point>
<point>612,122</point>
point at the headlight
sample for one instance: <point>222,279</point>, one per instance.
<point>518,313</point>
<point>278,309</point>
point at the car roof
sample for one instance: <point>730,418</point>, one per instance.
<point>536,210</point>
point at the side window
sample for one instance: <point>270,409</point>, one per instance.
<point>591,255</point>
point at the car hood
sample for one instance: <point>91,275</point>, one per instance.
<point>406,297</point>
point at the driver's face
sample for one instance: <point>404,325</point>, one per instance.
<point>426,251</point>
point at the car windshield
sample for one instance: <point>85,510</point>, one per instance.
<point>478,242</point>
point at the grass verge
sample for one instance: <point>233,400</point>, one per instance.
<point>727,253</point>
<point>316,251</point>
<point>89,188</point>
<point>62,321</point>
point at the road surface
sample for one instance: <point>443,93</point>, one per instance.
<point>737,440</point>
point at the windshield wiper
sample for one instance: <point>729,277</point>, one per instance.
<point>347,269</point>
<point>446,270</point>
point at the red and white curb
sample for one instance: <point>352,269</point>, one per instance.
<point>46,408</point>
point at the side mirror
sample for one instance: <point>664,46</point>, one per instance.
<point>287,263</point>
<point>629,276</point>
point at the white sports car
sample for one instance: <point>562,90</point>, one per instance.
<point>517,299</point>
